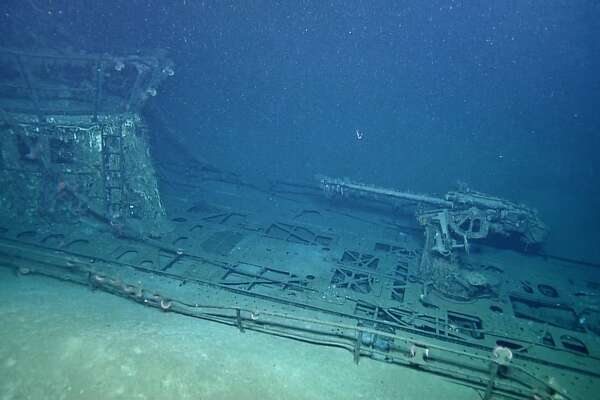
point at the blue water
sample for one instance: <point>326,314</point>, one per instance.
<point>408,94</point>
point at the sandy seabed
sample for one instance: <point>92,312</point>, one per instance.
<point>62,341</point>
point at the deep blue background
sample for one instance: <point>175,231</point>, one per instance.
<point>502,95</point>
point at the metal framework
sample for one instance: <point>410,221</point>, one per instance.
<point>327,285</point>
<point>44,84</point>
<point>506,324</point>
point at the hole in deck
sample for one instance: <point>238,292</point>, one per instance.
<point>510,345</point>
<point>26,234</point>
<point>127,255</point>
<point>77,243</point>
<point>54,237</point>
<point>573,344</point>
<point>527,287</point>
<point>547,290</point>
<point>180,241</point>
<point>496,309</point>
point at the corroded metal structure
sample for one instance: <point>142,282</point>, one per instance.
<point>73,140</point>
<point>340,277</point>
<point>80,203</point>
<point>453,221</point>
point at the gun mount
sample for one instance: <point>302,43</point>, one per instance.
<point>453,221</point>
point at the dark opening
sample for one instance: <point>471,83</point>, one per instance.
<point>476,226</point>
<point>547,290</point>
<point>511,345</point>
<point>496,309</point>
<point>573,344</point>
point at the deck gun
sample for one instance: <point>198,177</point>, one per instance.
<point>455,219</point>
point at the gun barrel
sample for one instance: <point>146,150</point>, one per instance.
<point>346,188</point>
